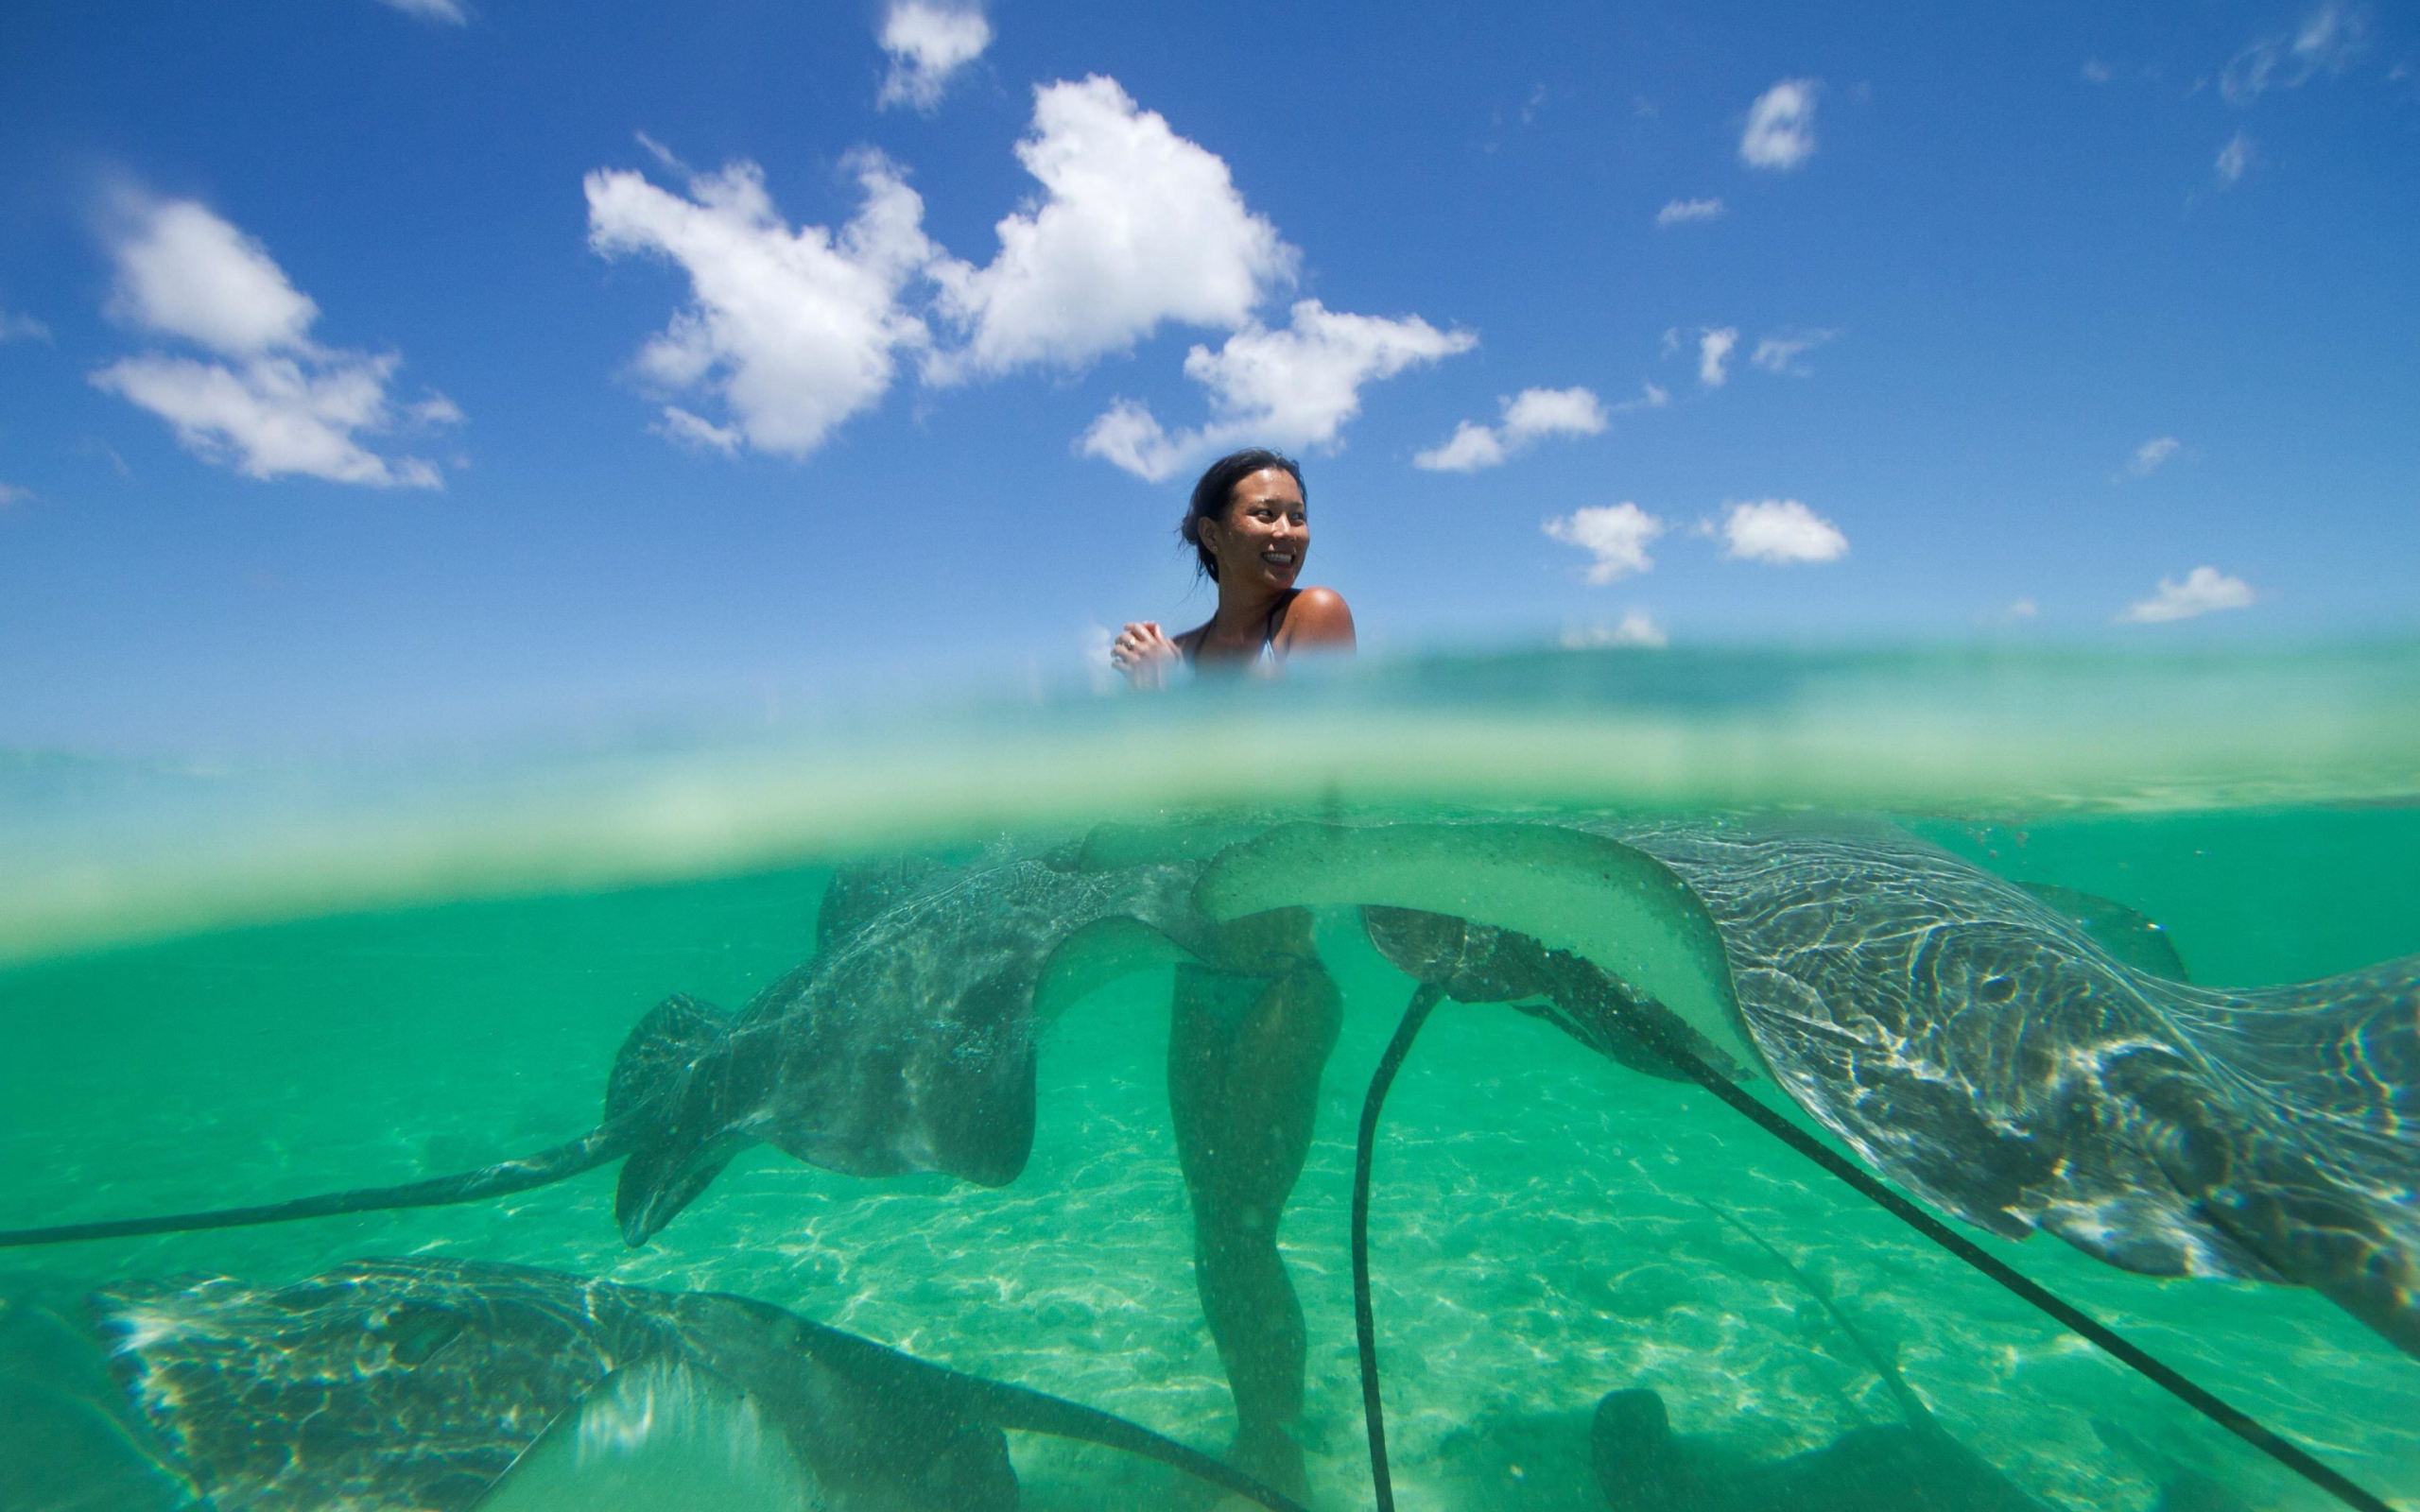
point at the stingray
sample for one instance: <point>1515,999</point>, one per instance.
<point>1800,900</point>
<point>906,1043</point>
<point>1967,1040</point>
<point>440,1386</point>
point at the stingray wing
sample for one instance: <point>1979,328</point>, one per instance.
<point>2342,1053</point>
<point>2324,1184</point>
<point>382,1387</point>
<point>912,1046</point>
<point>1591,895</point>
<point>2127,933</point>
<point>661,1436</point>
<point>1983,1050</point>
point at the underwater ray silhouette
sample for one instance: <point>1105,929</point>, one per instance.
<point>1643,1465</point>
<point>1914,1466</point>
<point>440,1386</point>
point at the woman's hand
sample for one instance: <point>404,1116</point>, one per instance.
<point>1144,652</point>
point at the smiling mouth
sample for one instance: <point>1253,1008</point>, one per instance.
<point>1278,559</point>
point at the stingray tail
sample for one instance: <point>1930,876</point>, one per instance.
<point>641,1120</point>
<point>1033,1412</point>
<point>544,1168</point>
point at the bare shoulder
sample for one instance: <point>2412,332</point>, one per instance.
<point>1318,619</point>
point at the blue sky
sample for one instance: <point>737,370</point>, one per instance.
<point>375,367</point>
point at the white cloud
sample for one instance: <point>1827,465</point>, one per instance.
<point>927,43</point>
<point>1781,126</point>
<point>683,428</point>
<point>1714,355</point>
<point>183,271</point>
<point>1138,226</point>
<point>1128,435</point>
<point>1616,533</point>
<point>795,331</point>
<point>450,12</point>
<point>1781,530</point>
<point>435,410</point>
<point>1637,628</point>
<point>2094,70</point>
<point>1678,212</point>
<point>272,415</point>
<point>22,328</point>
<point>1650,397</point>
<point>2329,37</point>
<point>2149,455</point>
<point>1301,383</point>
<point>1295,387</point>
<point>1537,412</point>
<point>2204,590</point>
<point>12,495</point>
<point>281,404</point>
<point>1532,414</point>
<point>1781,353</point>
<point>2326,42</point>
<point>2234,159</point>
<point>1471,447</point>
<point>2023,608</point>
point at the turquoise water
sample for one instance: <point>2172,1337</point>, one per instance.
<point>220,996</point>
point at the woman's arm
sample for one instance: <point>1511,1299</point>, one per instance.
<point>1317,621</point>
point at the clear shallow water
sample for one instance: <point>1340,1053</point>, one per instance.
<point>1541,1232</point>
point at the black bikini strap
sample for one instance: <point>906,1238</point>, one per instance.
<point>1276,620</point>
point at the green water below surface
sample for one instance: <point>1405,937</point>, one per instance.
<point>1547,1227</point>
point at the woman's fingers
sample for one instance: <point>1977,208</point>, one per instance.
<point>1140,641</point>
<point>1143,650</point>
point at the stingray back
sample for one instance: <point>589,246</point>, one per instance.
<point>379,1386</point>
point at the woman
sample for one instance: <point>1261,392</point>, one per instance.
<point>1250,533</point>
<point>1250,1026</point>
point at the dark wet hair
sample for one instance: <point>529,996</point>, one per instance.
<point>1216,490</point>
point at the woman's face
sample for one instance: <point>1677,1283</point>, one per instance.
<point>1265,536</point>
